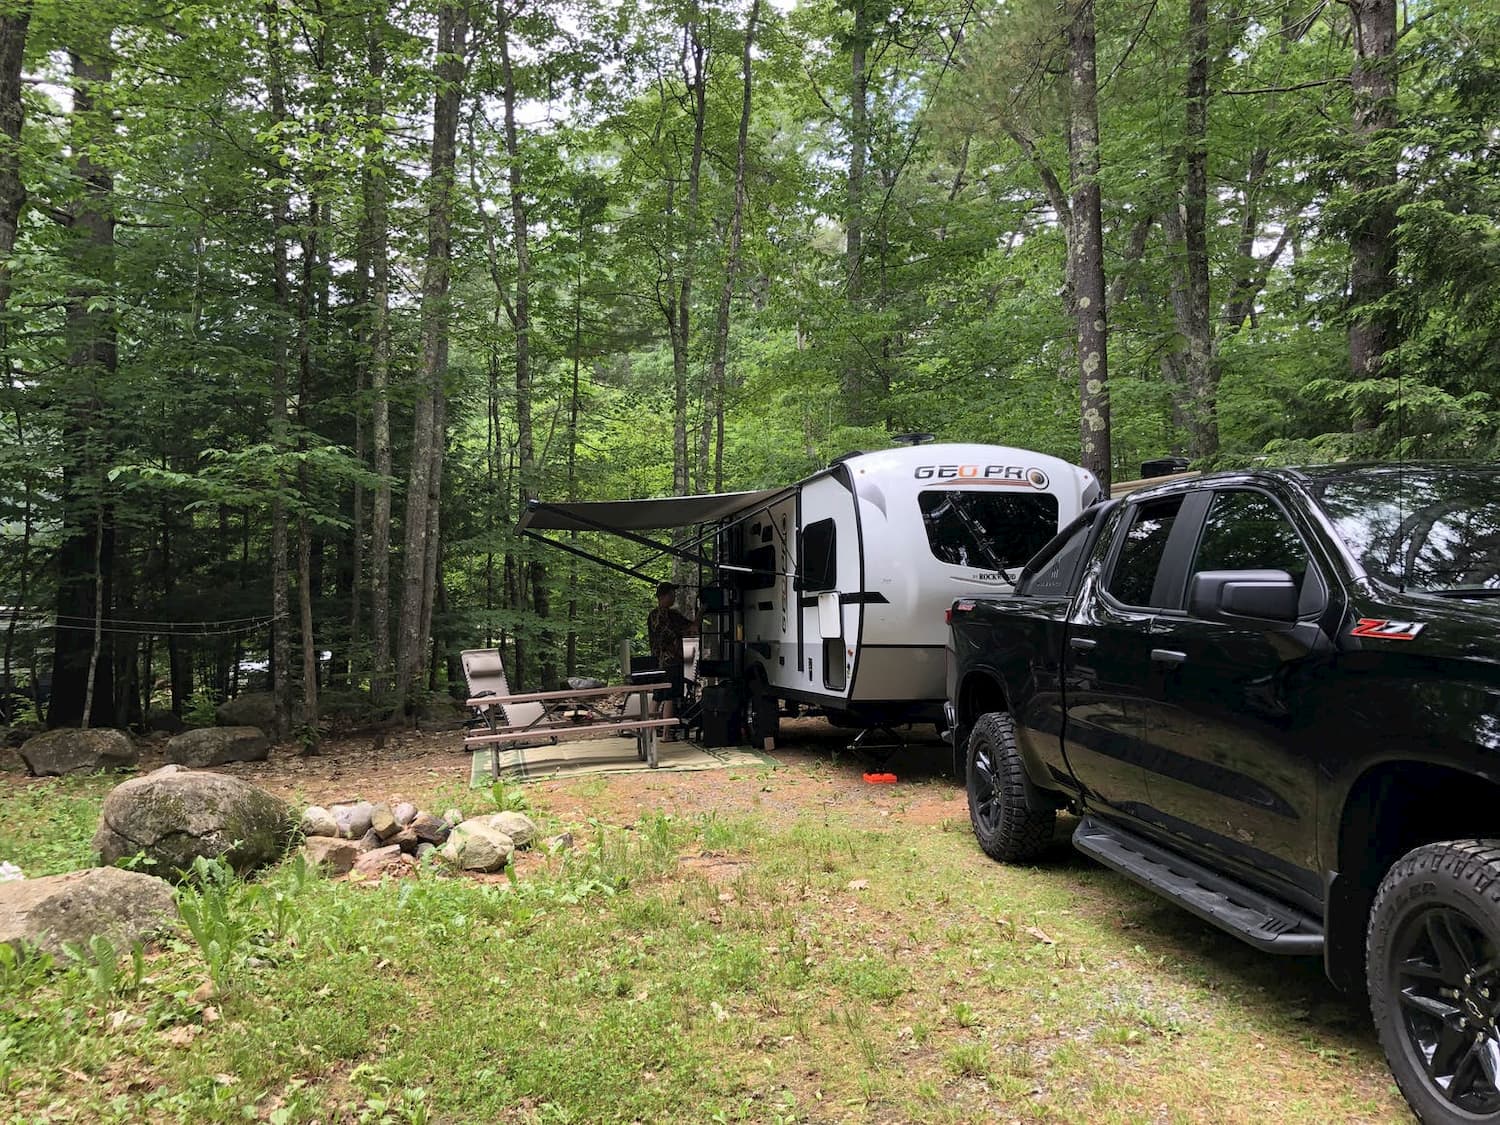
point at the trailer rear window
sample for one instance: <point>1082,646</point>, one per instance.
<point>989,530</point>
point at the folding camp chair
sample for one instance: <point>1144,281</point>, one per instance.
<point>484,672</point>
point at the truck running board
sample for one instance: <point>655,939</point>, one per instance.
<point>1248,915</point>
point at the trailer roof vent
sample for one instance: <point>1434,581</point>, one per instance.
<point>914,437</point>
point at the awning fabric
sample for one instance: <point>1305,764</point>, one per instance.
<point>653,514</point>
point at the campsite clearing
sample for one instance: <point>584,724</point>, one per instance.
<point>736,945</point>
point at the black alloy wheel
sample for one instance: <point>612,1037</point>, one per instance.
<point>1434,977</point>
<point>1005,824</point>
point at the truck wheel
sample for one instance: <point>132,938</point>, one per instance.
<point>1007,827</point>
<point>1433,966</point>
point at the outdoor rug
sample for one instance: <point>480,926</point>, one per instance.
<point>598,756</point>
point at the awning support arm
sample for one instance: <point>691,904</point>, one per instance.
<point>582,554</point>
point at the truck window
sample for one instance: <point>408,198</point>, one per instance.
<point>1055,570</point>
<point>1140,555</point>
<point>818,568</point>
<point>1247,531</point>
<point>985,529</point>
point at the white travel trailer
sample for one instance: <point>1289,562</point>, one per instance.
<point>830,594</point>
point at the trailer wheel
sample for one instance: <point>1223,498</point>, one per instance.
<point>1005,824</point>
<point>762,711</point>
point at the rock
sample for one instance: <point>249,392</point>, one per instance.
<point>353,820</point>
<point>378,861</point>
<point>174,815</point>
<point>405,812</point>
<point>9,872</point>
<point>584,683</point>
<point>405,839</point>
<point>369,841</point>
<point>518,826</point>
<point>218,746</point>
<point>318,821</point>
<point>383,820</point>
<point>248,709</point>
<point>329,852</point>
<point>562,842</point>
<point>17,735</point>
<point>122,906</point>
<point>73,751</point>
<point>453,818</point>
<point>424,849</point>
<point>430,829</point>
<point>476,846</point>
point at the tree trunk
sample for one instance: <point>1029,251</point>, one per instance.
<point>1202,364</point>
<point>426,453</point>
<point>732,261</point>
<point>535,576</point>
<point>374,187</point>
<point>281,625</point>
<point>1086,251</point>
<point>13,29</point>
<point>695,80</point>
<point>859,143</point>
<point>83,680</point>
<point>1373,240</point>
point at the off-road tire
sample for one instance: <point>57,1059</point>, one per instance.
<point>1006,826</point>
<point>1437,915</point>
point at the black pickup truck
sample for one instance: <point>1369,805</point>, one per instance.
<point>1273,697</point>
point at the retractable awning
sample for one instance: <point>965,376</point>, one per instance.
<point>628,519</point>
<point>654,514</point>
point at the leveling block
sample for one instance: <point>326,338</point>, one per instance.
<point>880,779</point>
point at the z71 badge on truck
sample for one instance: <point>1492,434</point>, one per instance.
<point>1273,697</point>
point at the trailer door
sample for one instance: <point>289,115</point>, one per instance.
<point>827,571</point>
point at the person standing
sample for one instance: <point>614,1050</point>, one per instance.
<point>665,630</point>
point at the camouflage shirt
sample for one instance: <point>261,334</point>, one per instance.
<point>665,629</point>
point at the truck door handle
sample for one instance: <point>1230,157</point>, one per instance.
<point>1168,656</point>
<point>1083,644</point>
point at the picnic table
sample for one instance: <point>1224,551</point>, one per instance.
<point>571,710</point>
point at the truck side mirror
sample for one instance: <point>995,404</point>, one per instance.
<point>1242,596</point>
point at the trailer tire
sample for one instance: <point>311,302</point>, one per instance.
<point>1006,825</point>
<point>762,711</point>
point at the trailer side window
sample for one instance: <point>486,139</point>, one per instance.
<point>985,529</point>
<point>762,563</point>
<point>819,568</point>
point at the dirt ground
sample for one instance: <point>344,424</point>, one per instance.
<point>817,770</point>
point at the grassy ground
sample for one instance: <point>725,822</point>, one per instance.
<point>765,946</point>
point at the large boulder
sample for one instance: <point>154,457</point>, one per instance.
<point>175,815</point>
<point>67,750</point>
<point>317,821</point>
<point>352,820</point>
<point>123,906</point>
<point>517,825</point>
<point>248,709</point>
<point>217,746</point>
<point>476,846</point>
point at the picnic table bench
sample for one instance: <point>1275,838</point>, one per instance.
<point>573,709</point>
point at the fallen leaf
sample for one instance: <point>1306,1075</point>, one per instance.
<point>858,885</point>
<point>1040,935</point>
<point>203,993</point>
<point>210,1014</point>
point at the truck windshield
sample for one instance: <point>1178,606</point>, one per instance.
<point>989,530</point>
<point>1433,529</point>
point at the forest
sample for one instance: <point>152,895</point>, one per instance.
<point>301,301</point>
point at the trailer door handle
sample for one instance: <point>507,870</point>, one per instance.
<point>1168,656</point>
<point>1083,644</point>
